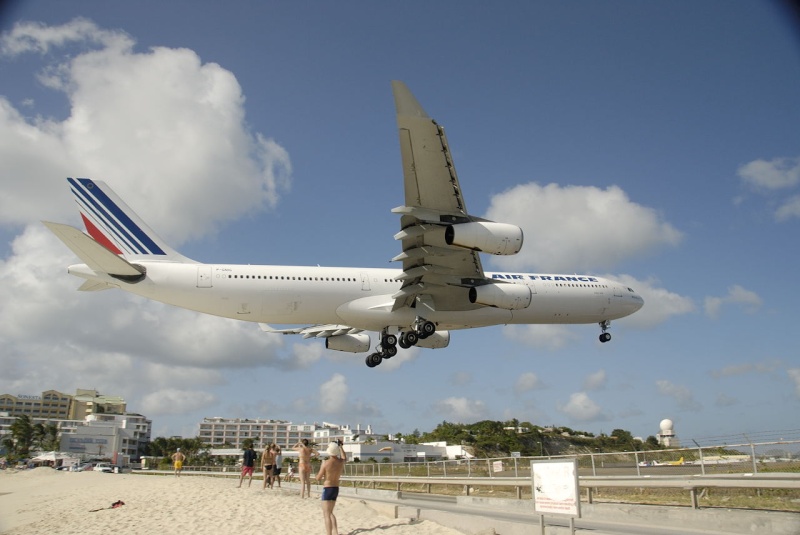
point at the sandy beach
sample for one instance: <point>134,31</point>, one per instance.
<point>46,501</point>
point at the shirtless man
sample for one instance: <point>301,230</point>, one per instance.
<point>177,460</point>
<point>267,464</point>
<point>304,453</point>
<point>331,472</point>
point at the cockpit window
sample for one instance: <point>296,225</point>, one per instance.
<point>631,290</point>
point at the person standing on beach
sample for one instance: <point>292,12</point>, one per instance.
<point>267,465</point>
<point>248,464</point>
<point>304,454</point>
<point>276,472</point>
<point>331,472</point>
<point>177,462</point>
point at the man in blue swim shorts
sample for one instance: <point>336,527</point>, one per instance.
<point>331,472</point>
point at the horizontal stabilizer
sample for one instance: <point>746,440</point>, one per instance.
<point>94,286</point>
<point>97,257</point>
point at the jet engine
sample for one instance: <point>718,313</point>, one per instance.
<point>507,296</point>
<point>351,343</point>
<point>437,340</point>
<point>485,236</point>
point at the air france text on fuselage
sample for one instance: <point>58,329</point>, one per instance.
<point>560,278</point>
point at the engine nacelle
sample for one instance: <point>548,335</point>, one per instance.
<point>486,237</point>
<point>507,296</point>
<point>437,340</point>
<point>351,343</point>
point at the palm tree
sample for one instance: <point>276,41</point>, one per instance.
<point>22,432</point>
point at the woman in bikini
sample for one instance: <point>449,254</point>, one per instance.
<point>304,453</point>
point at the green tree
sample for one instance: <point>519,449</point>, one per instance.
<point>22,434</point>
<point>46,437</point>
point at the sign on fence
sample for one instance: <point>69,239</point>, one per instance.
<point>555,487</point>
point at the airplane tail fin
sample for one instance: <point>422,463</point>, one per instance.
<point>115,226</point>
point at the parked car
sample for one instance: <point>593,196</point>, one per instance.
<point>103,467</point>
<point>84,467</point>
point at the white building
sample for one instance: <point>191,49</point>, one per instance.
<point>217,432</point>
<point>106,435</point>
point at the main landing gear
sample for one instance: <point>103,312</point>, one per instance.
<point>422,329</point>
<point>604,325</point>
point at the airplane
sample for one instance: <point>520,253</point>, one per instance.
<point>679,462</point>
<point>440,286</point>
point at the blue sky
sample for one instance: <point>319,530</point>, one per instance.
<point>655,143</point>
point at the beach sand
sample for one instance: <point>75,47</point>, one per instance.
<point>46,501</point>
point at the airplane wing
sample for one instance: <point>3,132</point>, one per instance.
<point>313,331</point>
<point>435,274</point>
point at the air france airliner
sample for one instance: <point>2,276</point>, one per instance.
<point>438,287</point>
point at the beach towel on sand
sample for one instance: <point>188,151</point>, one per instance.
<point>115,505</point>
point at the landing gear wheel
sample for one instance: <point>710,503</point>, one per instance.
<point>426,329</point>
<point>373,359</point>
<point>389,352</point>
<point>605,337</point>
<point>389,340</point>
<point>408,339</point>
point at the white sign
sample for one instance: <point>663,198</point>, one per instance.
<point>497,466</point>
<point>555,487</point>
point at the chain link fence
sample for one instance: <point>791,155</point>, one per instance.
<point>745,458</point>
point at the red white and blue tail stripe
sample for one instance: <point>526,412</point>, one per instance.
<point>112,223</point>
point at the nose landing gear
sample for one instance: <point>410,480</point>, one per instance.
<point>604,325</point>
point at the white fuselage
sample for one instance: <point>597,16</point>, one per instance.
<point>360,297</point>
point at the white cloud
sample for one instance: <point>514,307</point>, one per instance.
<point>737,295</point>
<point>334,400</point>
<point>161,127</point>
<point>778,173</point>
<point>682,395</point>
<point>460,409</point>
<point>746,368</point>
<point>794,375</point>
<point>789,209</point>
<point>659,303</point>
<point>174,401</point>
<point>333,395</point>
<point>38,37</point>
<point>526,382</point>
<point>581,408</point>
<point>549,337</point>
<point>578,227</point>
<point>596,381</point>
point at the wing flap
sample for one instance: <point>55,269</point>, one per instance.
<point>313,331</point>
<point>94,255</point>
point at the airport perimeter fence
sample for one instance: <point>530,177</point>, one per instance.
<point>753,458</point>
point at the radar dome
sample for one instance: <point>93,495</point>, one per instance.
<point>666,425</point>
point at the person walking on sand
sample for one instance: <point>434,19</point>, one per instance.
<point>248,463</point>
<point>331,472</point>
<point>267,465</point>
<point>304,454</point>
<point>276,471</point>
<point>177,462</point>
